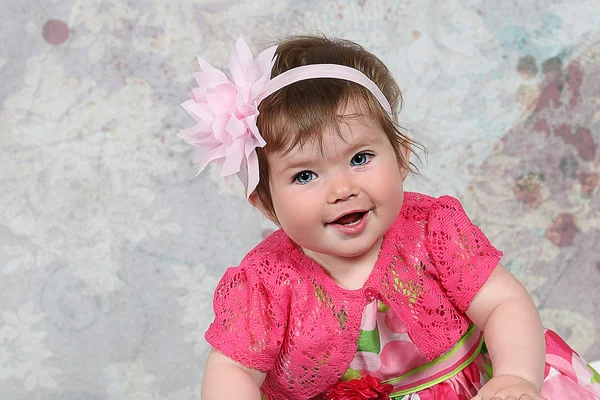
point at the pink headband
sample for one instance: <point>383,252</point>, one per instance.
<point>225,111</point>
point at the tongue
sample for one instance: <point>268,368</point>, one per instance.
<point>347,219</point>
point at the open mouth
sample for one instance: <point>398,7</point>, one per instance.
<point>350,219</point>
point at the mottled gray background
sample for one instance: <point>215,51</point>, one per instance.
<point>110,248</point>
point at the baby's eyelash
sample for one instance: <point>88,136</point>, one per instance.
<point>296,178</point>
<point>366,154</point>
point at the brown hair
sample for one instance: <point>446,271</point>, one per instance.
<point>300,112</point>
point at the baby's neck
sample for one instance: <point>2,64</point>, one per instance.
<point>348,272</point>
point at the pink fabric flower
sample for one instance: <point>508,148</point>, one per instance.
<point>225,112</point>
<point>366,387</point>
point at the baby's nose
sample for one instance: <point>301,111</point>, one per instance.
<point>342,193</point>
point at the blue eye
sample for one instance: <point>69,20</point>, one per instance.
<point>360,159</point>
<point>304,177</point>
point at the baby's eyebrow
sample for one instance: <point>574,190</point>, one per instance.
<point>361,143</point>
<point>298,164</point>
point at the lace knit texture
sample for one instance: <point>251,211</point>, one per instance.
<point>279,312</point>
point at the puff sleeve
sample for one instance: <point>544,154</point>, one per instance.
<point>251,313</point>
<point>462,254</point>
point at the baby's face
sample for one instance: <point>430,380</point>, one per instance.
<point>340,199</point>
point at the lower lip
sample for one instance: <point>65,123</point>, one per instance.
<point>354,229</point>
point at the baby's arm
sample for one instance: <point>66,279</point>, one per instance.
<point>514,335</point>
<point>227,379</point>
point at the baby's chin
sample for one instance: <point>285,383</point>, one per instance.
<point>342,253</point>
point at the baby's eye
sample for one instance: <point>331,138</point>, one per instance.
<point>360,159</point>
<point>304,177</point>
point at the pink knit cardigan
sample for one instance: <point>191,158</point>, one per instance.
<point>280,312</point>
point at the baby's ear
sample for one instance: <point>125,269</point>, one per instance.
<point>258,203</point>
<point>406,154</point>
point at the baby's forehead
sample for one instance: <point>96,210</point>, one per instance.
<point>347,135</point>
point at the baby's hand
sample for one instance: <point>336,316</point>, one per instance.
<point>508,387</point>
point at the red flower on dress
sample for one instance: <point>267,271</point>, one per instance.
<point>366,387</point>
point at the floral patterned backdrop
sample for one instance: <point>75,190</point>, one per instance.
<point>110,247</point>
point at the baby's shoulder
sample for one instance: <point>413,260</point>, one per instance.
<point>417,202</point>
<point>420,206</point>
<point>421,213</point>
<point>275,261</point>
<point>416,207</point>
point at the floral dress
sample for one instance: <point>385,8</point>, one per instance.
<point>388,365</point>
<point>280,312</point>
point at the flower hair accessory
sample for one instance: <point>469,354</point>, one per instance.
<point>226,109</point>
